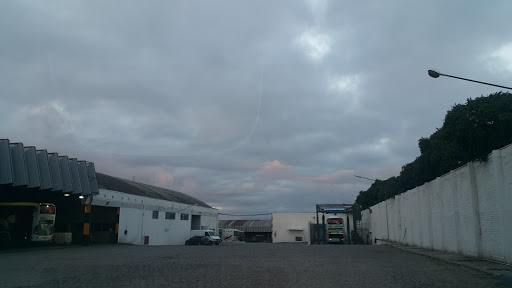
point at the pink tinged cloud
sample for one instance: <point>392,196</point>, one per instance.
<point>164,178</point>
<point>188,186</point>
<point>273,169</point>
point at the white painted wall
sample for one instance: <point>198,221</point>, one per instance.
<point>287,226</point>
<point>130,220</point>
<point>468,211</point>
<point>136,217</point>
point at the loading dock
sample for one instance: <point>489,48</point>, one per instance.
<point>32,175</point>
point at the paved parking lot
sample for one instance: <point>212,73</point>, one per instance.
<point>233,265</point>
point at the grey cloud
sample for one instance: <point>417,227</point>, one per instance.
<point>186,94</point>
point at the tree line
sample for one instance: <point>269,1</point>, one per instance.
<point>470,132</point>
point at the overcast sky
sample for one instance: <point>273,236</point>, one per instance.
<point>250,106</point>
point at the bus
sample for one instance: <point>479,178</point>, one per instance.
<point>335,230</point>
<point>26,222</point>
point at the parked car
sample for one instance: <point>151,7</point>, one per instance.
<point>208,233</point>
<point>198,240</point>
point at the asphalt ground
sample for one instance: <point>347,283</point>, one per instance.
<point>235,265</point>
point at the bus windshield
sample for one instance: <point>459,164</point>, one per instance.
<point>44,223</point>
<point>47,208</point>
<point>335,221</point>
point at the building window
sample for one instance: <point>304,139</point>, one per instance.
<point>184,216</point>
<point>155,214</point>
<point>298,239</point>
<point>170,215</point>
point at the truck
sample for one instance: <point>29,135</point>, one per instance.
<point>208,233</point>
<point>230,234</point>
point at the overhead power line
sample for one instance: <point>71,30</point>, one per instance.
<point>246,214</point>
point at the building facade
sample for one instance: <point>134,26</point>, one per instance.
<point>149,215</point>
<point>292,227</point>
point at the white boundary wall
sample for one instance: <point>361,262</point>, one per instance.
<point>468,211</point>
<point>136,217</point>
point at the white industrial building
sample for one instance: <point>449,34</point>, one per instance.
<point>298,227</point>
<point>292,227</point>
<point>149,215</point>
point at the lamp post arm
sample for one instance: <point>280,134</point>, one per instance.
<point>480,82</point>
<point>435,74</point>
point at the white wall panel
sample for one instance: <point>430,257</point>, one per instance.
<point>467,227</point>
<point>287,226</point>
<point>506,204</point>
<point>489,215</point>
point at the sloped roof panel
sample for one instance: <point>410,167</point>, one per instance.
<point>44,169</point>
<point>18,164</point>
<point>135,188</point>
<point>6,174</point>
<point>33,178</point>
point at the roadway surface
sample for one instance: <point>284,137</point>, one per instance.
<point>233,265</point>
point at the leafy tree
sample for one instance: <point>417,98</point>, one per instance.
<point>470,132</point>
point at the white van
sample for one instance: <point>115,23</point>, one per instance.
<point>210,234</point>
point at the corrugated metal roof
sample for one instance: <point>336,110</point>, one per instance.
<point>247,225</point>
<point>136,188</point>
<point>28,167</point>
<point>333,208</point>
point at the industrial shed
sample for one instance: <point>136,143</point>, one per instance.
<point>143,214</point>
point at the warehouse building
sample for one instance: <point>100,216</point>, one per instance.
<point>87,206</point>
<point>126,211</point>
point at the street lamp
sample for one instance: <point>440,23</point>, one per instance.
<point>435,74</point>
<point>385,200</point>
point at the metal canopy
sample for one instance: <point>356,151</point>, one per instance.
<point>333,208</point>
<point>25,166</point>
